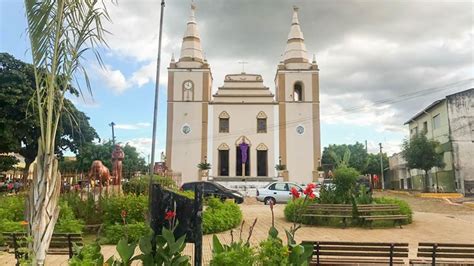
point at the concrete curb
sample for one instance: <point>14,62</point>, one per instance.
<point>441,195</point>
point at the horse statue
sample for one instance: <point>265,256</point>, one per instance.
<point>100,174</point>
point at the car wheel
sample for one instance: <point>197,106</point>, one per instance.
<point>269,200</point>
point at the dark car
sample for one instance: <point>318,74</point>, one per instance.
<point>211,189</point>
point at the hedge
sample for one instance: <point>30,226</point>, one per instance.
<point>220,216</point>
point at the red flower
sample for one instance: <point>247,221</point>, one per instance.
<point>309,189</point>
<point>123,214</point>
<point>170,215</point>
<point>295,193</point>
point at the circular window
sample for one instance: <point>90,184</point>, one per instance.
<point>300,130</point>
<point>186,129</point>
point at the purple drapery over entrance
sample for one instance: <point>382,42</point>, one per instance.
<point>244,147</point>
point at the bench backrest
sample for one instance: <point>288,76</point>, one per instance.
<point>57,240</point>
<point>329,208</point>
<point>358,249</point>
<point>446,250</point>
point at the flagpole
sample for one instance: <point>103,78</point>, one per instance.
<point>155,111</point>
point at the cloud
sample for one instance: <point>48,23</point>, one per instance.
<point>143,146</point>
<point>367,51</point>
<point>388,146</point>
<point>114,79</point>
<point>132,126</point>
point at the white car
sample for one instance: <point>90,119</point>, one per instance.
<point>277,192</point>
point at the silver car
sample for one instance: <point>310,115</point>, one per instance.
<point>277,192</point>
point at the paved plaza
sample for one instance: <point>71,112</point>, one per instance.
<point>434,220</point>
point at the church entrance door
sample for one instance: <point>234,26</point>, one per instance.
<point>262,163</point>
<point>224,162</point>
<point>238,166</point>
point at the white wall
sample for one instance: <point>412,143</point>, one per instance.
<point>243,122</point>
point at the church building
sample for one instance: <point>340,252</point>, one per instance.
<point>243,129</point>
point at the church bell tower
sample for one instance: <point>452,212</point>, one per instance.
<point>189,92</point>
<point>297,93</point>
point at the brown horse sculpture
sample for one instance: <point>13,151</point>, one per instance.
<point>100,174</point>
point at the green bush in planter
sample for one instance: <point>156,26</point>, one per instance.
<point>135,207</point>
<point>133,232</point>
<point>88,255</point>
<point>12,208</point>
<point>272,252</point>
<point>139,185</point>
<point>220,216</point>
<point>11,226</point>
<point>86,210</point>
<point>67,222</point>
<point>404,207</point>
<point>294,209</point>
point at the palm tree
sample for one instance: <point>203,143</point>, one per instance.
<point>60,32</point>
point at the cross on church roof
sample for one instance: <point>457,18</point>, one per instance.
<point>243,65</point>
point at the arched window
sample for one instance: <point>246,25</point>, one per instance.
<point>298,92</point>
<point>261,122</point>
<point>224,122</point>
<point>223,162</point>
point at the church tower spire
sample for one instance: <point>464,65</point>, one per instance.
<point>295,51</point>
<point>191,47</point>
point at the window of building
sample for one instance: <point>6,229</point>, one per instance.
<point>425,127</point>
<point>223,125</point>
<point>224,122</point>
<point>261,122</point>
<point>261,125</point>
<point>436,121</point>
<point>414,131</point>
<point>298,92</point>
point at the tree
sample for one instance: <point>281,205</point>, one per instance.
<point>60,31</point>
<point>103,152</point>
<point>421,153</point>
<point>358,155</point>
<point>373,163</point>
<point>7,162</point>
<point>19,126</point>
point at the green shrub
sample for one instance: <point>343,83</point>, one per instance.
<point>236,253</point>
<point>273,252</point>
<point>363,196</point>
<point>404,207</point>
<point>12,208</point>
<point>220,216</point>
<point>88,255</point>
<point>86,210</point>
<point>133,232</point>
<point>345,179</point>
<point>294,208</point>
<point>139,185</point>
<point>67,222</point>
<point>135,207</point>
<point>11,226</point>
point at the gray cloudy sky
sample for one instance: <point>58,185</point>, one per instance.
<point>367,51</point>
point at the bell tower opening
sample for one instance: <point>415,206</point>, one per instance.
<point>298,92</point>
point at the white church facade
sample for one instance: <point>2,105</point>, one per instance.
<point>243,129</point>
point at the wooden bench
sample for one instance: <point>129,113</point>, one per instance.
<point>61,243</point>
<point>340,253</point>
<point>380,212</point>
<point>444,254</point>
<point>343,211</point>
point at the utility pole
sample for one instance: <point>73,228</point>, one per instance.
<point>366,148</point>
<point>112,124</point>
<point>381,167</point>
<point>155,110</point>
